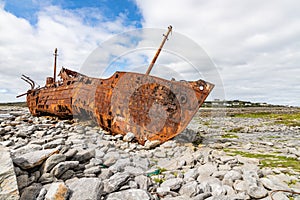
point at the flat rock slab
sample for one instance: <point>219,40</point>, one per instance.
<point>33,159</point>
<point>85,188</point>
<point>8,181</point>
<point>131,194</point>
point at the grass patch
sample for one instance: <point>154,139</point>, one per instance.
<point>18,104</point>
<point>235,130</point>
<point>290,119</point>
<point>207,123</point>
<point>269,160</point>
<point>273,137</point>
<point>159,180</point>
<point>229,136</point>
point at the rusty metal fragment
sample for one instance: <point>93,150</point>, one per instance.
<point>150,107</point>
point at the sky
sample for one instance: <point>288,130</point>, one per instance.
<point>251,47</point>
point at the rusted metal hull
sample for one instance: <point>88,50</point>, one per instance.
<point>150,107</point>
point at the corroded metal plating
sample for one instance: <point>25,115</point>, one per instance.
<point>150,107</point>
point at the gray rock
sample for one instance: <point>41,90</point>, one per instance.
<point>85,188</point>
<point>24,181</point>
<point>278,196</point>
<point>151,144</point>
<point>132,185</point>
<point>62,167</point>
<point>54,143</point>
<point>120,164</point>
<point>141,162</point>
<point>2,131</point>
<point>190,189</point>
<point>184,197</point>
<point>279,181</point>
<point>219,174</point>
<point>169,164</point>
<point>105,174</point>
<point>42,194</point>
<point>240,185</point>
<point>207,169</point>
<point>67,175</point>
<point>71,153</point>
<point>110,161</point>
<point>202,196</point>
<point>191,174</point>
<point>6,143</point>
<point>233,175</point>
<point>173,184</point>
<point>46,178</point>
<point>26,149</point>
<point>116,181</point>
<point>8,180</point>
<point>31,192</point>
<point>52,161</point>
<point>57,191</point>
<point>93,170</point>
<point>134,170</point>
<point>143,182</point>
<point>84,156</point>
<point>163,191</point>
<point>33,159</point>
<point>131,194</point>
<point>129,137</point>
<point>257,192</point>
<point>160,154</point>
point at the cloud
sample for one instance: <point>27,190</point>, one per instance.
<point>254,44</point>
<point>27,48</point>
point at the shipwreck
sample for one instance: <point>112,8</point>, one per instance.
<point>150,107</point>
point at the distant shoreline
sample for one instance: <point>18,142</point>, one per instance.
<point>20,104</point>
<point>207,104</point>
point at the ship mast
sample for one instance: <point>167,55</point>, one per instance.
<point>159,50</point>
<point>55,57</point>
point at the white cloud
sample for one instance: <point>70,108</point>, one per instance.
<point>255,44</point>
<point>28,49</point>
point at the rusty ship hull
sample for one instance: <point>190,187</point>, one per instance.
<point>150,107</point>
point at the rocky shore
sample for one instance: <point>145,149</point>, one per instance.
<point>216,157</point>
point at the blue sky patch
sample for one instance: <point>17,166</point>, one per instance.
<point>111,10</point>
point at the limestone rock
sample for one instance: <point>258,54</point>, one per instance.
<point>57,191</point>
<point>31,192</point>
<point>52,161</point>
<point>190,189</point>
<point>131,194</point>
<point>62,167</point>
<point>8,180</point>
<point>84,156</point>
<point>129,137</point>
<point>85,188</point>
<point>143,182</point>
<point>257,192</point>
<point>116,181</point>
<point>32,159</point>
<point>174,183</point>
<point>151,144</point>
